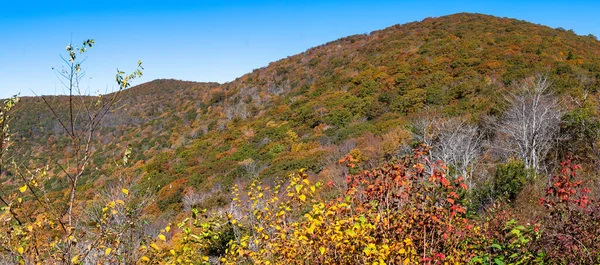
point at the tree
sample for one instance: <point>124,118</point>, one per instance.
<point>453,141</point>
<point>531,122</point>
<point>54,230</point>
<point>7,108</point>
<point>579,133</point>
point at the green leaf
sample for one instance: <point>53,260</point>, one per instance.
<point>362,219</point>
<point>498,261</point>
<point>516,232</point>
<point>322,250</point>
<point>476,259</point>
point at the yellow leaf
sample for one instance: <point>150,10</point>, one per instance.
<point>20,250</point>
<point>302,197</point>
<point>322,250</point>
<point>23,189</point>
<point>107,251</point>
<point>172,252</point>
<point>154,246</point>
<point>168,228</point>
<point>75,260</point>
<point>162,237</point>
<point>205,258</point>
<point>126,191</point>
<point>144,258</point>
<point>121,202</point>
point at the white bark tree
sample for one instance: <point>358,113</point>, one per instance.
<point>455,142</point>
<point>530,123</point>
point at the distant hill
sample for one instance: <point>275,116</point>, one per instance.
<point>358,93</point>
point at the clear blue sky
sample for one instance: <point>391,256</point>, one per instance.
<point>216,40</point>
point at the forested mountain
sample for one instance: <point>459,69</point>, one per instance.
<point>453,83</point>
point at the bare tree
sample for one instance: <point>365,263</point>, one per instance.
<point>531,122</point>
<point>123,231</point>
<point>453,141</point>
<point>191,198</point>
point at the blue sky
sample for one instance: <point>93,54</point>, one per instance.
<point>215,40</point>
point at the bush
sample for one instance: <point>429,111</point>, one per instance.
<point>409,212</point>
<point>509,180</point>
<point>397,214</point>
<point>570,229</point>
<point>339,117</point>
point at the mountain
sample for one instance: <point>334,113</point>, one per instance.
<point>358,95</point>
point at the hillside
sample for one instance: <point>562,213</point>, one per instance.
<point>145,115</point>
<point>463,139</point>
<point>359,94</point>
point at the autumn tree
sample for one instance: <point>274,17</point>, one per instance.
<point>5,112</point>
<point>44,229</point>
<point>580,132</point>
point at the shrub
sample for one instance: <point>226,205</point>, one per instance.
<point>398,214</point>
<point>570,229</point>
<point>509,180</point>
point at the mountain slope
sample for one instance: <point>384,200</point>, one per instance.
<point>357,94</point>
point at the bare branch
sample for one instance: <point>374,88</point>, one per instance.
<point>527,129</point>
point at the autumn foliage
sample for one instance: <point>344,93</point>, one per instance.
<point>400,135</point>
<point>571,228</point>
